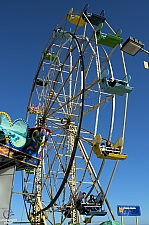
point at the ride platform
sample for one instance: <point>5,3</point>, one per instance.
<point>10,156</point>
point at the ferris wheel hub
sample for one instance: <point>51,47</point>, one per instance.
<point>66,121</point>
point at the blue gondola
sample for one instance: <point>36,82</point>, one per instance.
<point>97,213</point>
<point>88,209</point>
<point>119,87</point>
<point>92,17</point>
<point>79,20</point>
<point>41,82</point>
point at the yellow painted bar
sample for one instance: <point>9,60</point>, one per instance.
<point>136,220</point>
<point>122,220</point>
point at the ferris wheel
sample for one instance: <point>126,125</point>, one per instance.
<point>72,96</point>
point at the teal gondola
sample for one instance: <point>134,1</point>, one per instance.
<point>119,87</point>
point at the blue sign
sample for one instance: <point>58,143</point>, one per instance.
<point>128,210</point>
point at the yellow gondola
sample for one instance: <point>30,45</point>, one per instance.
<point>77,20</point>
<point>112,153</point>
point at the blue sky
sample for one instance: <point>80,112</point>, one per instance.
<point>25,26</point>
